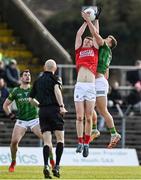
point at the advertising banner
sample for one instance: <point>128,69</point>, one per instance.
<point>33,156</point>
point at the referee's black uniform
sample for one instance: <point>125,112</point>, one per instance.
<point>49,110</point>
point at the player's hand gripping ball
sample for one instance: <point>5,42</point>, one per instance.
<point>91,12</point>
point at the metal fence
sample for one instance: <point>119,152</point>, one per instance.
<point>68,74</point>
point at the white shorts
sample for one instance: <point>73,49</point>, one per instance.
<point>84,91</point>
<point>27,124</point>
<point>101,86</point>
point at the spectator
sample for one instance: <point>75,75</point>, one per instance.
<point>2,70</point>
<point>13,74</point>
<point>134,98</point>
<point>114,96</point>
<point>135,76</point>
<point>3,94</point>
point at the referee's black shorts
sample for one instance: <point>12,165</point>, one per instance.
<point>50,119</point>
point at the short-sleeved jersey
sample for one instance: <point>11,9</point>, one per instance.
<point>104,59</point>
<point>87,57</point>
<point>26,111</point>
<point>43,89</point>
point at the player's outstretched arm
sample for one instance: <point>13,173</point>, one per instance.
<point>107,74</point>
<point>80,32</point>
<point>93,30</point>
<point>96,24</point>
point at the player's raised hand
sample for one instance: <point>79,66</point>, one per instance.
<point>99,9</point>
<point>85,16</point>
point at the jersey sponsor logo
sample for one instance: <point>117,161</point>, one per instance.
<point>23,99</point>
<point>19,94</point>
<point>86,53</point>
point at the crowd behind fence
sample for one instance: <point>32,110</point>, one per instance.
<point>120,86</point>
<point>69,71</point>
<point>127,98</point>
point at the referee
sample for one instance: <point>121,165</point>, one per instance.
<point>47,95</point>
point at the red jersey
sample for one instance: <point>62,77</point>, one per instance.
<point>87,57</point>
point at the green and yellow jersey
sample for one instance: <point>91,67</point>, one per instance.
<point>105,57</point>
<point>26,111</point>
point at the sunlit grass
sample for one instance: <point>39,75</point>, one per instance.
<point>73,172</point>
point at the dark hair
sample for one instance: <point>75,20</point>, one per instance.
<point>24,71</point>
<point>89,37</point>
<point>114,41</point>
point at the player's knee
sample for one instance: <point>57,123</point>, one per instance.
<point>49,144</point>
<point>104,111</point>
<point>89,117</point>
<point>60,136</point>
<point>60,139</point>
<point>88,120</point>
<point>14,142</point>
<point>79,118</point>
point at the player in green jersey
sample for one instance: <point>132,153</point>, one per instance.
<point>105,57</point>
<point>27,115</point>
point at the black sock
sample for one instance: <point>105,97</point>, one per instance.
<point>59,151</point>
<point>46,154</point>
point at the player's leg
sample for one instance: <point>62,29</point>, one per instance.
<point>89,107</point>
<point>35,128</point>
<point>101,103</point>
<point>95,133</point>
<point>47,139</point>
<point>98,88</point>
<point>102,108</point>
<point>79,107</point>
<point>79,93</point>
<point>94,126</point>
<point>44,114</point>
<point>18,133</point>
<point>59,151</point>
<point>37,131</point>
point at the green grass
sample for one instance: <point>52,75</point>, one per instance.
<point>35,172</point>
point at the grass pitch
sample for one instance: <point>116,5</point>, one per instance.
<point>35,172</point>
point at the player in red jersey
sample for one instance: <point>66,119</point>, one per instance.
<point>84,94</point>
<point>101,84</point>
